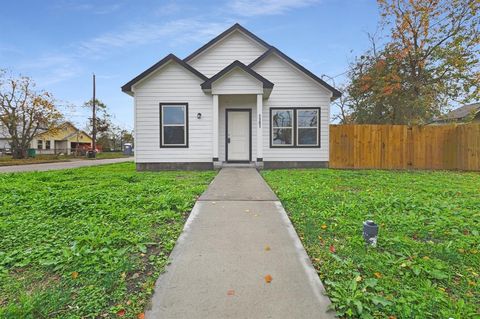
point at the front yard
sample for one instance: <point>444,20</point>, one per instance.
<point>89,242</point>
<point>427,261</point>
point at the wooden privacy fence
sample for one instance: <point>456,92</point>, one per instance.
<point>454,147</point>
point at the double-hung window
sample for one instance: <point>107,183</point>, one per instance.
<point>39,144</point>
<point>307,127</point>
<point>173,125</point>
<point>47,145</point>
<point>295,127</point>
<point>282,127</point>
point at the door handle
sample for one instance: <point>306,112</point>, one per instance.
<point>228,140</point>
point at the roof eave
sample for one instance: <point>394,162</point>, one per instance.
<point>207,85</point>
<point>222,35</point>
<point>127,88</point>
<point>335,93</point>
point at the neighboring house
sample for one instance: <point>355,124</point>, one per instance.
<point>465,114</point>
<point>64,139</point>
<point>4,138</point>
<point>235,99</point>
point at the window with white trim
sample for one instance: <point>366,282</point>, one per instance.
<point>47,145</point>
<point>295,127</point>
<point>173,125</point>
<point>282,127</point>
<point>39,144</point>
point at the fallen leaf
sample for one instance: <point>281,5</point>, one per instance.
<point>135,275</point>
<point>247,210</point>
<point>377,274</point>
<point>121,312</point>
<point>230,292</point>
<point>267,248</point>
<point>268,279</point>
<point>358,278</point>
<point>332,249</point>
<point>141,316</point>
<point>324,226</point>
<point>74,275</point>
<point>129,302</point>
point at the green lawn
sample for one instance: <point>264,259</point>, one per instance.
<point>427,262</point>
<point>89,242</point>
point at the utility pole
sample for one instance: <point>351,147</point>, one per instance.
<point>94,121</point>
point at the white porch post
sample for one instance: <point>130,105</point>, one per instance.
<point>215,128</point>
<point>259,121</point>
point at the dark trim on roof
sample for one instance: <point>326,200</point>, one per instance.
<point>236,64</point>
<point>271,50</point>
<point>234,27</point>
<point>128,87</point>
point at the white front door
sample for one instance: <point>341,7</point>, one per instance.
<point>238,135</point>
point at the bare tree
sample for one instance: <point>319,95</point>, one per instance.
<point>24,111</point>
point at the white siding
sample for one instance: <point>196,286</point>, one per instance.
<point>237,81</point>
<point>293,89</point>
<point>235,46</point>
<point>172,83</point>
<point>232,102</point>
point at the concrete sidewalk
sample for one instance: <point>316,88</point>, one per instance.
<point>61,165</point>
<point>238,233</point>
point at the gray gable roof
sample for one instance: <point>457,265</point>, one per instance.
<point>171,57</point>
<point>272,49</point>
<point>127,88</point>
<point>237,64</point>
<point>463,111</point>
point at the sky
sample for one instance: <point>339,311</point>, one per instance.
<point>61,43</point>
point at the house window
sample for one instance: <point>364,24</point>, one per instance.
<point>295,127</point>
<point>307,127</point>
<point>282,127</point>
<point>47,145</point>
<point>173,125</point>
<point>39,144</point>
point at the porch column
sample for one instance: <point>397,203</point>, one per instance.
<point>215,128</point>
<point>259,121</point>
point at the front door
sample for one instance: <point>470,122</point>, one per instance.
<point>238,133</point>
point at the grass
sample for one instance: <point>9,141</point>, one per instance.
<point>88,242</point>
<point>39,159</point>
<point>426,264</point>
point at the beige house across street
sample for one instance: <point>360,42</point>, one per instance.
<point>65,139</point>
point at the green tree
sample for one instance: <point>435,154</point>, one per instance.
<point>430,60</point>
<point>24,111</point>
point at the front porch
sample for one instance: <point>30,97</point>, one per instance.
<point>237,130</point>
<point>237,93</point>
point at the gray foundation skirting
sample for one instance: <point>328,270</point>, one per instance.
<point>170,166</point>
<point>294,164</point>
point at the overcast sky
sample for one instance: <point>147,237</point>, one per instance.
<point>61,43</point>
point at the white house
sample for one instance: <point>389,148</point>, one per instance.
<point>235,99</point>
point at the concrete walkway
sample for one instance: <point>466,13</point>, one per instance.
<point>238,233</point>
<point>61,165</point>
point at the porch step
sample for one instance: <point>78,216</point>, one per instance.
<point>238,165</point>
